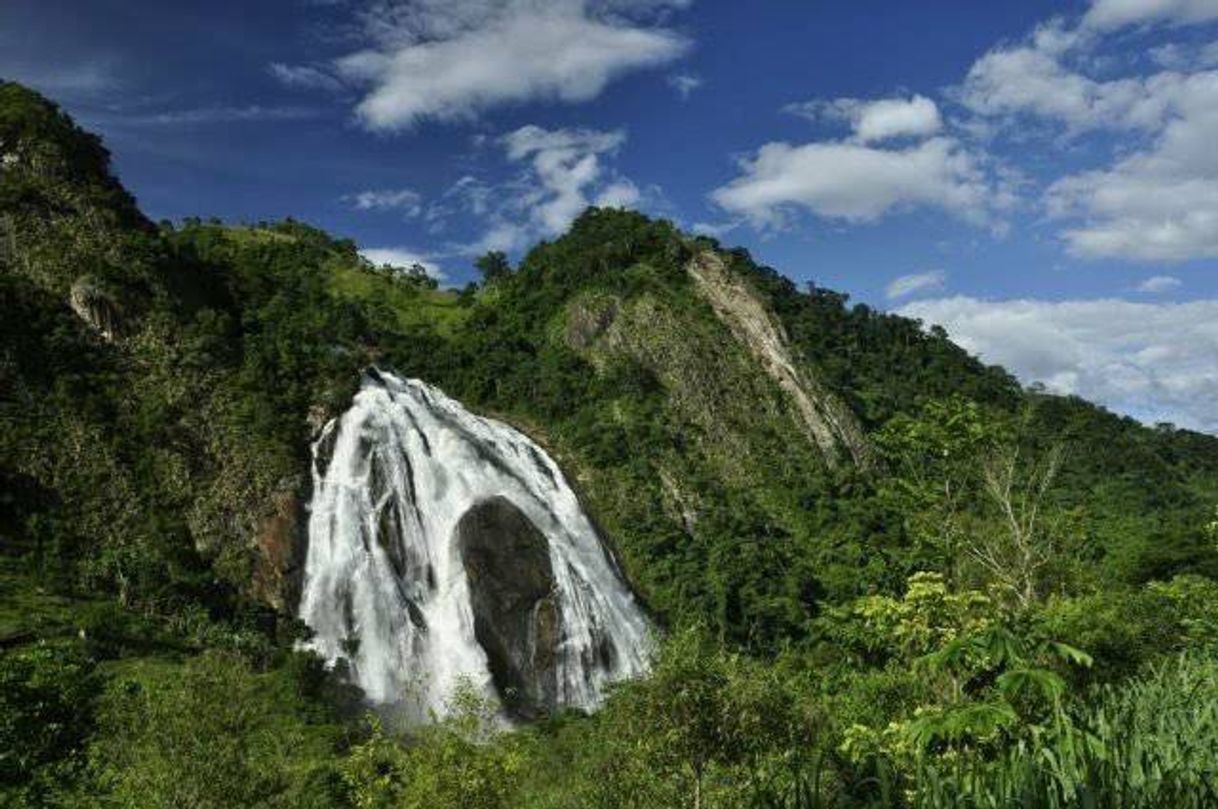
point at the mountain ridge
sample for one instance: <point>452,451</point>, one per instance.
<point>624,262</point>
<point>801,491</point>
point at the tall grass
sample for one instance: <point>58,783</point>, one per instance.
<point>1148,743</point>
<point>1152,742</point>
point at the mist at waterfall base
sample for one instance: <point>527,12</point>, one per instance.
<point>387,585</point>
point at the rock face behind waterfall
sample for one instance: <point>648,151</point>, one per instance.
<point>512,592</point>
<point>444,547</point>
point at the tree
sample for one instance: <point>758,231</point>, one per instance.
<point>933,456</point>
<point>976,679</point>
<point>465,761</point>
<point>702,708</point>
<point>1016,552</point>
<point>970,491</point>
<point>418,275</point>
<point>493,266</point>
<point>209,733</point>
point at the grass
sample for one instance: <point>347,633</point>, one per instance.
<point>27,609</point>
<point>256,235</point>
<point>1152,742</point>
<point>412,306</point>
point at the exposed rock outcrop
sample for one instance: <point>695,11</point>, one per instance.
<point>512,587</point>
<point>707,381</point>
<point>96,307</point>
<point>827,421</point>
<point>279,551</point>
<point>586,323</point>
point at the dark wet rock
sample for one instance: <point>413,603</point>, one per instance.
<point>379,484</point>
<point>323,453</point>
<point>389,537</point>
<point>513,595</point>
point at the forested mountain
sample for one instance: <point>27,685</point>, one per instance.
<point>880,572</point>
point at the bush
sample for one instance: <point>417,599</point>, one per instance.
<point>464,762</point>
<point>47,697</point>
<point>207,734</point>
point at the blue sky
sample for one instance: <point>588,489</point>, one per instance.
<point>1041,178</point>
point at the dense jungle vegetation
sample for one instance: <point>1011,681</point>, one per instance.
<point>1013,602</point>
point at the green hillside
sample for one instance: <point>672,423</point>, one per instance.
<point>886,574</point>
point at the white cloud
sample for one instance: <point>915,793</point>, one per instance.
<point>684,84</point>
<point>60,79</point>
<point>448,60</point>
<point>566,163</point>
<point>468,194</point>
<point>907,285</point>
<point>1033,79</point>
<point>1158,284</point>
<point>1153,361</point>
<point>716,230</point>
<point>222,115</point>
<point>621,193</point>
<point>1184,57</point>
<point>1113,14</point>
<point>38,51</point>
<point>403,257</point>
<point>407,200</point>
<point>535,140</point>
<point>1158,200</point>
<point>878,119</point>
<point>563,171</point>
<point>305,77</point>
<point>857,183</point>
<point>893,117</point>
<point>1159,204</point>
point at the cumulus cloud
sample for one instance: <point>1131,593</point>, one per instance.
<point>1158,204</point>
<point>407,200</point>
<point>562,172</point>
<point>403,257</point>
<point>889,118</point>
<point>856,182</point>
<point>1033,79</point>
<point>907,285</point>
<point>1184,56</point>
<point>1158,200</point>
<point>449,60</point>
<point>1113,14</point>
<point>622,193</point>
<point>1153,361</point>
<point>1158,284</point>
<point>877,119</point>
<point>567,165</point>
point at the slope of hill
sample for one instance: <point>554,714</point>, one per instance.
<point>771,465</point>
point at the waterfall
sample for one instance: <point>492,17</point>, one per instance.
<point>446,547</point>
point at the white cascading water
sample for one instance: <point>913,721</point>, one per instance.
<point>406,453</point>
